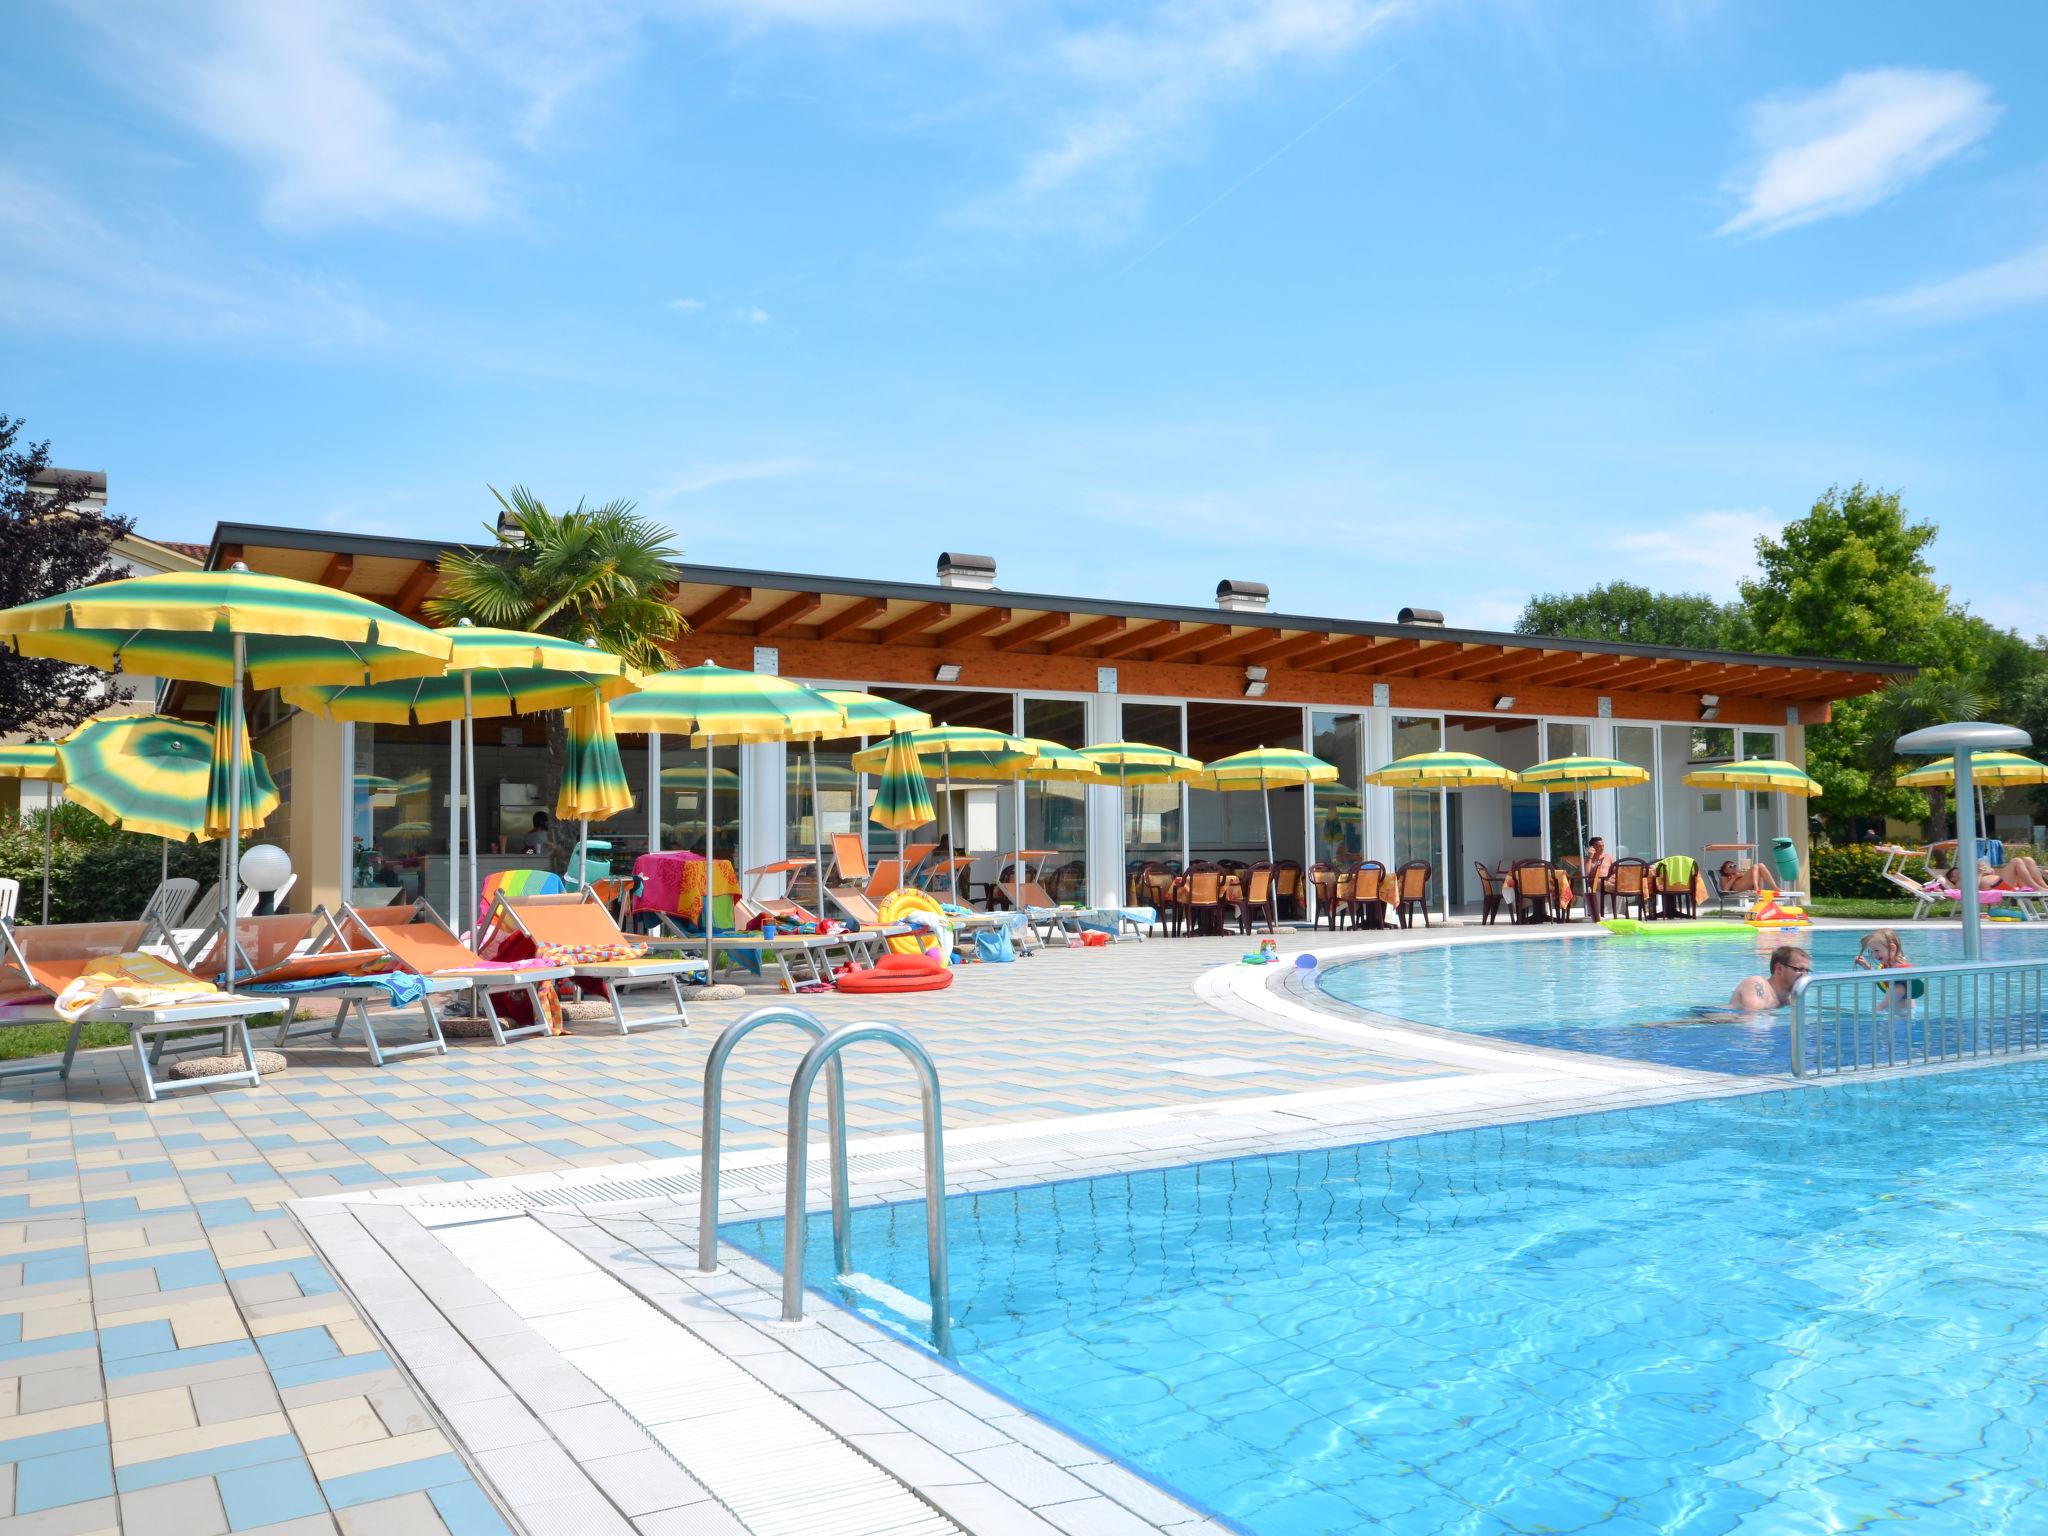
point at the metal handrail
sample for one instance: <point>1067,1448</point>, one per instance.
<point>1849,1021</point>
<point>714,1100</point>
<point>796,1191</point>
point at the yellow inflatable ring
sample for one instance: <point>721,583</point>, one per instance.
<point>898,905</point>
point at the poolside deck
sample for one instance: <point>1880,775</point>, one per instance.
<point>182,1362</point>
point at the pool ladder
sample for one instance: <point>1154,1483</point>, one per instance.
<point>823,1055</point>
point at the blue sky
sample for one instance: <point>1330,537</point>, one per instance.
<point>1381,303</point>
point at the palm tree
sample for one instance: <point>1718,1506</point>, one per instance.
<point>1922,701</point>
<point>601,575</point>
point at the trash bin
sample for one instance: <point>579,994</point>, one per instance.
<point>599,866</point>
<point>1785,856</point>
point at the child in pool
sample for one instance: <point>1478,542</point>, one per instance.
<point>1882,951</point>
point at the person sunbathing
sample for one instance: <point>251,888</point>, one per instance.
<point>1757,994</point>
<point>2021,873</point>
<point>1750,877</point>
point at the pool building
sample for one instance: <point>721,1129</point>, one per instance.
<point>369,804</point>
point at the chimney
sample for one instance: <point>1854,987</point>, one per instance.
<point>973,573</point>
<point>1242,596</point>
<point>1429,618</point>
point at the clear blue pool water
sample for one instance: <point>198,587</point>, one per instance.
<point>1645,999</point>
<point>1812,1311</point>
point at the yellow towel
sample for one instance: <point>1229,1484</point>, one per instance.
<point>129,981</point>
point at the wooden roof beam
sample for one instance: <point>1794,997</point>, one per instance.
<point>415,590</point>
<point>1232,649</point>
<point>1031,631</point>
<point>337,569</point>
<point>851,617</point>
<point>1343,649</point>
<point>1187,640</point>
<point>1379,656</point>
<point>784,614</point>
<point>1458,654</point>
<point>916,622</point>
<point>973,625</point>
<point>1138,639</point>
<point>730,601</point>
<point>1286,652</point>
<point>1087,635</point>
<point>1514,669</point>
<point>1626,670</point>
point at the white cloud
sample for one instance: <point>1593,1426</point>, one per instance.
<point>686,306</point>
<point>1708,552</point>
<point>1855,143</point>
<point>1144,86</point>
<point>711,476</point>
<point>2010,284</point>
<point>751,315</point>
<point>64,269</point>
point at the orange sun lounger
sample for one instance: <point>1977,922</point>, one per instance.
<point>419,941</point>
<point>577,920</point>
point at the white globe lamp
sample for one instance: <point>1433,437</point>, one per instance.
<point>265,869</point>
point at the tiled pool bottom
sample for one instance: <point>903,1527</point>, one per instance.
<point>1804,1311</point>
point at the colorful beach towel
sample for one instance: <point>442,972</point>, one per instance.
<point>402,987</point>
<point>129,981</point>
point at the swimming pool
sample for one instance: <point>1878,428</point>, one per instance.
<point>1645,999</point>
<point>1798,1311</point>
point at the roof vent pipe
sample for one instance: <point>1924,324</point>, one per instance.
<point>1430,617</point>
<point>976,573</point>
<point>1243,596</point>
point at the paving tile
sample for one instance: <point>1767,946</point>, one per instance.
<point>596,1429</point>
<point>190,1508</point>
<point>409,1514</point>
<point>1026,1476</point>
<point>269,1494</point>
<point>641,1482</point>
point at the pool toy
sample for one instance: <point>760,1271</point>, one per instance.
<point>1776,914</point>
<point>907,906</point>
<point>899,973</point>
<point>1304,962</point>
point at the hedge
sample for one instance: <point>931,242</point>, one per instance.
<point>1856,870</point>
<point>97,874</point>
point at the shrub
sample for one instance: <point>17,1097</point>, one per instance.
<point>97,874</point>
<point>1856,870</point>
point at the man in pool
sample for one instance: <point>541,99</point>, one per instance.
<point>1755,994</point>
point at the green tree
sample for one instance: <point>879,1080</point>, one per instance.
<point>599,574</point>
<point>1930,699</point>
<point>1622,610</point>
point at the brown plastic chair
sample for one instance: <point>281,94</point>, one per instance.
<point>1202,898</point>
<point>1369,890</point>
<point>1535,890</point>
<point>1411,890</point>
<point>1288,888</point>
<point>1323,880</point>
<point>1260,892</point>
<point>1489,892</point>
<point>1629,881</point>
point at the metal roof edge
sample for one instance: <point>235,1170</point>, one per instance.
<point>998,597</point>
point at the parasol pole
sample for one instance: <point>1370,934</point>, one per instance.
<point>236,726</point>
<point>455,822</point>
<point>1966,857</point>
<point>952,827</point>
<point>710,870</point>
<point>653,791</point>
<point>49,821</point>
<point>476,889</point>
<point>817,831</point>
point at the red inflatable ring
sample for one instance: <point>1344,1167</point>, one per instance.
<point>899,973</point>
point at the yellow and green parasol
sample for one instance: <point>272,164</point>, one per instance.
<point>1761,774</point>
<point>492,674</point>
<point>712,702</point>
<point>1443,770</point>
<point>1264,768</point>
<point>902,798</point>
<point>1996,768</point>
<point>163,776</point>
<point>593,775</point>
<point>963,751</point>
<point>221,627</point>
<point>1141,763</point>
<point>35,760</point>
<point>1577,775</point>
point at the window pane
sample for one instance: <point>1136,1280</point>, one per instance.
<point>1340,807</point>
<point>1056,814</point>
<point>1418,814</point>
<point>1152,813</point>
<point>813,819</point>
<point>1635,808</point>
<point>1234,824</point>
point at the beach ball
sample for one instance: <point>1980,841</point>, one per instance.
<point>1304,962</point>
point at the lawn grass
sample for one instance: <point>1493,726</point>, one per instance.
<point>1860,906</point>
<point>48,1039</point>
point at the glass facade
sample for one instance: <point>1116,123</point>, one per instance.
<point>1233,826</point>
<point>1419,814</point>
<point>1056,814</point>
<point>1635,808</point>
<point>1154,815</point>
<point>1337,822</point>
<point>1565,738</point>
